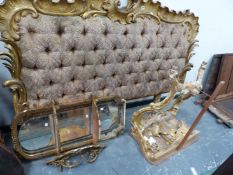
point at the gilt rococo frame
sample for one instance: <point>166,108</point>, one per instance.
<point>12,11</point>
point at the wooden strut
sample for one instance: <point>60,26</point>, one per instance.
<point>96,123</point>
<point>200,115</point>
<point>55,128</point>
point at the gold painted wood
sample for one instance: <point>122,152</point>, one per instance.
<point>12,62</point>
<point>10,15</point>
<point>12,11</point>
<point>163,112</point>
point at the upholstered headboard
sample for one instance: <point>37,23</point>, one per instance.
<point>86,49</point>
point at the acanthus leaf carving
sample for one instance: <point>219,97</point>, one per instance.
<point>11,13</point>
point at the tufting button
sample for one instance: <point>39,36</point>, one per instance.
<point>133,46</point>
<point>63,94</point>
<point>83,64</point>
<point>95,48</point>
<point>84,32</point>
<point>123,60</point>
<point>105,33</point>
<point>125,32</point>
<point>51,83</point>
<point>60,31</point>
<point>72,79</point>
<point>114,47</point>
<point>104,63</point>
<point>61,66</point>
<point>37,97</point>
<point>31,30</point>
<point>72,49</point>
<point>172,32</point>
<point>142,32</point>
<point>47,49</point>
<point>148,45</point>
<point>35,67</point>
<point>163,45</point>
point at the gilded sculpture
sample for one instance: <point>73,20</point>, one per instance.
<point>156,128</point>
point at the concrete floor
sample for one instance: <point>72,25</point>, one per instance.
<point>123,157</point>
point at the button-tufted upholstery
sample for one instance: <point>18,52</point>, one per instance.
<point>66,58</point>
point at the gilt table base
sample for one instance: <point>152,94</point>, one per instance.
<point>165,154</point>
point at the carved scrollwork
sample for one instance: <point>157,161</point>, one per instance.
<point>150,9</point>
<point>11,13</point>
<point>94,11</point>
<point>62,8</point>
<point>12,58</point>
<point>19,94</point>
<point>12,62</point>
<point>177,79</point>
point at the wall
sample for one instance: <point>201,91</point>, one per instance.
<point>215,36</point>
<point>215,33</point>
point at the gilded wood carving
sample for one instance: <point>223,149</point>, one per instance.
<point>156,128</point>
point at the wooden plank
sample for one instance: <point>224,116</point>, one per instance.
<point>222,107</point>
<point>213,71</point>
<point>230,84</point>
<point>225,72</point>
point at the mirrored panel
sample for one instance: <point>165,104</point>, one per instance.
<point>75,124</point>
<point>111,115</point>
<point>36,133</point>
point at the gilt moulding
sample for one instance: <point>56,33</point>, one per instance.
<point>12,11</point>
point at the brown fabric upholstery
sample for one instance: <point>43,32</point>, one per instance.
<point>65,58</point>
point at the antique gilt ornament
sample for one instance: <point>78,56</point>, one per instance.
<point>156,128</point>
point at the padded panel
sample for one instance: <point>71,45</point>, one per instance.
<point>66,58</point>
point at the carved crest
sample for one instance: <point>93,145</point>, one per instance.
<point>12,11</point>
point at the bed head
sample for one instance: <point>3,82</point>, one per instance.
<point>77,50</point>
